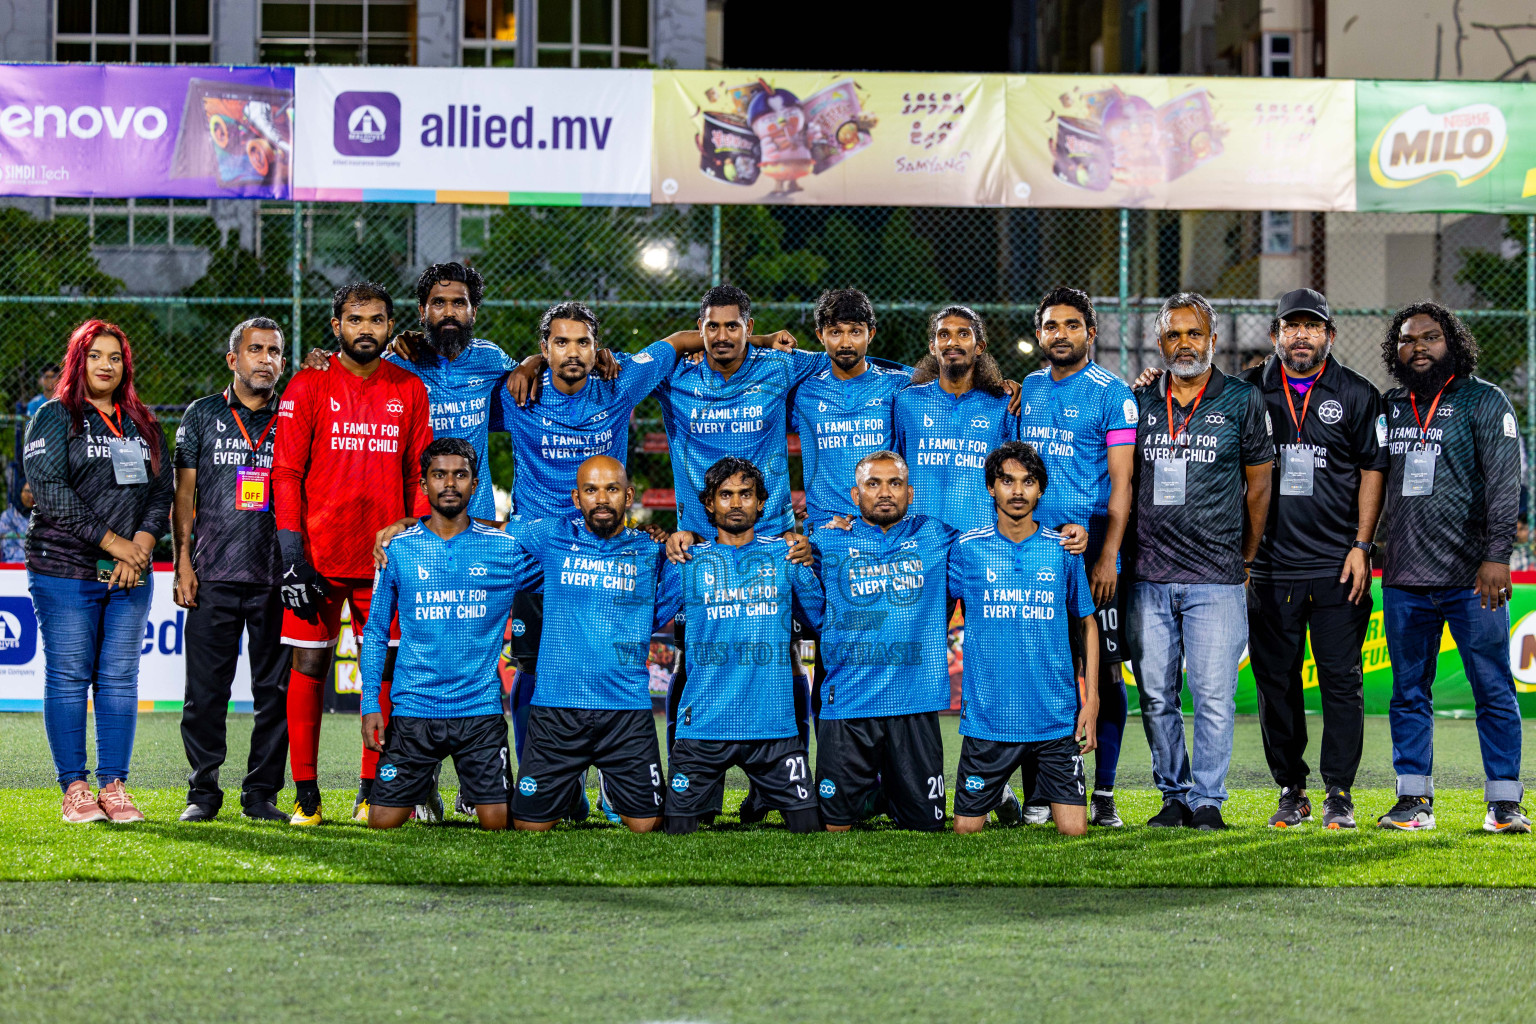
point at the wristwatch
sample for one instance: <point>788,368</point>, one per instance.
<point>1368,547</point>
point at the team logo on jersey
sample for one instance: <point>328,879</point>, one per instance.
<point>1070,412</point>
<point>527,786</point>
<point>1129,408</point>
<point>519,627</point>
<point>1045,576</point>
<point>1397,411</point>
<point>991,576</point>
<point>1381,430</point>
<point>394,407</point>
<point>1445,412</point>
<point>1510,429</point>
<point>766,570</point>
<point>980,423</point>
<point>1215,419</point>
<point>387,772</point>
<point>679,783</point>
<point>908,545</point>
<point>1330,411</point>
<point>974,784</point>
<point>828,788</point>
<point>477,570</point>
<point>927,420</point>
<point>875,401</point>
<point>1151,419</point>
<point>821,406</point>
<point>641,357</point>
<point>422,573</point>
<point>854,553</point>
<point>753,389</point>
<point>709,578</point>
<point>335,406</point>
<point>220,425</point>
<point>575,547</point>
<point>473,382</point>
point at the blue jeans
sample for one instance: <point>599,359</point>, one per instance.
<point>1414,623</point>
<point>1204,626</point>
<point>91,642</point>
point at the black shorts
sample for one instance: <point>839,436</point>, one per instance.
<point>415,747</point>
<point>901,754</point>
<point>527,628</point>
<point>564,742</point>
<point>1111,621</point>
<point>1056,766</point>
<point>778,769</point>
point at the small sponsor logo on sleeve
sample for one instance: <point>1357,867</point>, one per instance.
<point>1269,426</point>
<point>37,447</point>
<point>1381,431</point>
<point>642,357</point>
<point>1129,408</point>
<point>1510,428</point>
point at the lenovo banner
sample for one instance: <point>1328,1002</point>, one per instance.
<point>175,132</point>
<point>536,136</point>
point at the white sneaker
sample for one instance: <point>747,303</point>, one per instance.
<point>1037,814</point>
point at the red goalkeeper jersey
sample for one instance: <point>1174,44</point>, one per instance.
<point>347,461</point>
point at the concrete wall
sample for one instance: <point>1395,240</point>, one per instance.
<point>26,30</point>
<point>236,31</point>
<point>1433,39</point>
<point>677,33</point>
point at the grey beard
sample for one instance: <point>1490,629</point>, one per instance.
<point>1191,369</point>
<point>1322,355</point>
<point>251,385</point>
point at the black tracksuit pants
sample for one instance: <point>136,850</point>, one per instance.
<point>1280,612</point>
<point>223,612</point>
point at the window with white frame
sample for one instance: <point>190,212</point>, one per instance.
<point>130,31</point>
<point>338,32</point>
<point>1279,233</point>
<point>1278,55</point>
<point>143,222</point>
<point>489,33</point>
<point>592,33</point>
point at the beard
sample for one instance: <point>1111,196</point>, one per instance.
<point>363,358</point>
<point>884,518</point>
<point>1303,367</point>
<point>449,337</point>
<point>256,386</point>
<point>1075,356</point>
<point>1194,369</point>
<point>601,529</point>
<point>1429,381</point>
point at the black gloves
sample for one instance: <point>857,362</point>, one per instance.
<point>300,584</point>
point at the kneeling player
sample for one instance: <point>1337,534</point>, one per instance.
<point>738,707</point>
<point>453,580</point>
<point>1021,593</point>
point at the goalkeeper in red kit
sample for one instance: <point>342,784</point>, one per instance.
<point>346,464</point>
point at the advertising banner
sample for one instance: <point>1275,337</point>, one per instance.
<point>818,138</point>
<point>551,137</point>
<point>1180,143</point>
<point>1446,146</point>
<point>113,131</point>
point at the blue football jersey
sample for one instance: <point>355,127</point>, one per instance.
<point>554,435</point>
<point>738,604</point>
<point>840,422</point>
<point>708,417</point>
<point>602,600</point>
<point>884,633</point>
<point>1073,423</point>
<point>1019,683</point>
<point>945,439</point>
<point>453,597</point>
<point>461,392</point>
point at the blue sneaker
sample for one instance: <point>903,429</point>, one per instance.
<point>602,802</point>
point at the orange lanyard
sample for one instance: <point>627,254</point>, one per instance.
<point>1174,434</point>
<point>1290,401</point>
<point>257,446</point>
<point>1423,430</point>
<point>115,428</point>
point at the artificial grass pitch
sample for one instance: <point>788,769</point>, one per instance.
<point>36,845</point>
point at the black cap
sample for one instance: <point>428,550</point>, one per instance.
<point>1302,300</point>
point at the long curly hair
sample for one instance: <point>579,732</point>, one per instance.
<point>1458,339</point>
<point>73,392</point>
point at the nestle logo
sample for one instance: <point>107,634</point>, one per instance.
<point>366,124</point>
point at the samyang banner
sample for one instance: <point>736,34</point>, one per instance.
<point>535,136</point>
<point>116,131</point>
<point>818,138</point>
<point>1446,146</point>
<point>1147,142</point>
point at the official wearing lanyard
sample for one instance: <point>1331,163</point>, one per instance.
<point>227,574</point>
<point>1170,475</point>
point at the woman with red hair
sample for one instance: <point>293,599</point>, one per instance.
<point>101,475</point>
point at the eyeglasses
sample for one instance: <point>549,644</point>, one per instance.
<point>1292,330</point>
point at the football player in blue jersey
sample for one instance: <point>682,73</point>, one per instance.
<point>452,579</point>
<point>739,595</point>
<point>1081,419</point>
<point>1023,595</point>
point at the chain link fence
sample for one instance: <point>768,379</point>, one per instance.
<point>177,275</point>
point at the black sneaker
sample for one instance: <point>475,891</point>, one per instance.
<point>1175,814</point>
<point>1009,812</point>
<point>1338,809</point>
<point>751,812</point>
<point>203,812</point>
<point>1503,816</point>
<point>1410,813</point>
<point>1101,810</point>
<point>264,809</point>
<point>1294,808</point>
<point>1208,819</point>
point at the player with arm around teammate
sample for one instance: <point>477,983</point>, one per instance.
<point>740,594</point>
<point>453,579</point>
<point>1022,593</point>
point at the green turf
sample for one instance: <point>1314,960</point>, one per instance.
<point>364,953</point>
<point>35,845</point>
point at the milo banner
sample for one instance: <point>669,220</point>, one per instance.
<point>1180,143</point>
<point>816,138</point>
<point>1446,146</point>
<point>124,132</point>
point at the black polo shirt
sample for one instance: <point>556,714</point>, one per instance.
<point>230,543</point>
<point>1345,431</point>
<point>1200,541</point>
